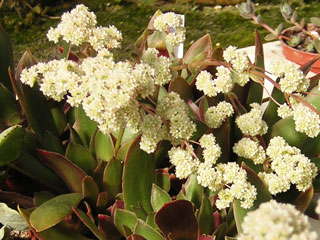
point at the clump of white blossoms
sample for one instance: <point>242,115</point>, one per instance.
<point>211,150</point>
<point>291,77</point>
<point>240,63</point>
<point>175,110</point>
<point>250,149</point>
<point>251,123</point>
<point>216,115</point>
<point>79,26</point>
<point>288,166</point>
<point>284,111</point>
<point>211,87</point>
<point>273,220</point>
<point>171,24</point>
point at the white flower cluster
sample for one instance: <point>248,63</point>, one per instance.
<point>240,63</point>
<point>211,150</point>
<point>210,87</point>
<point>250,149</point>
<point>174,109</point>
<point>171,24</point>
<point>288,166</point>
<point>284,111</point>
<point>216,115</point>
<point>251,123</point>
<point>79,26</point>
<point>273,220</point>
<point>291,77</point>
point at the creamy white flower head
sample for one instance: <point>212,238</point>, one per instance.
<point>288,166</point>
<point>174,109</point>
<point>273,220</point>
<point>105,37</point>
<point>250,149</point>
<point>171,23</point>
<point>216,115</point>
<point>284,111</point>
<point>209,176</point>
<point>183,161</point>
<point>160,64</point>
<point>211,150</point>
<point>291,77</point>
<point>75,26</point>
<point>306,120</point>
<point>205,83</point>
<point>251,123</point>
<point>223,82</point>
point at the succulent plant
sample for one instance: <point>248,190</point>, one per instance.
<point>70,178</point>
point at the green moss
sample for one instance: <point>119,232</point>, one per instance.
<point>224,25</point>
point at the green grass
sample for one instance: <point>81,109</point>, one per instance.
<point>225,26</point>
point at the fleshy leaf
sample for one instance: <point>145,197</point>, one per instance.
<point>87,221</point>
<point>11,218</point>
<point>193,190</point>
<point>177,220</point>
<point>41,197</point>
<point>54,211</point>
<point>203,45</point>
<point>124,218</point>
<point>162,179</point>
<point>90,190</point>
<point>112,178</point>
<point>52,143</point>
<point>80,156</point>
<point>205,217</point>
<point>104,146</point>
<point>147,231</point>
<point>263,195</point>
<point>11,141</point>
<point>304,199</point>
<point>16,198</point>
<point>107,227</point>
<point>70,173</point>
<point>102,202</point>
<point>179,85</point>
<point>158,197</point>
<point>138,176</point>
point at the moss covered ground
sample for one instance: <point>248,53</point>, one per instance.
<point>225,25</point>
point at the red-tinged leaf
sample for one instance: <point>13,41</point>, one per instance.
<point>81,157</point>
<point>304,199</point>
<point>56,232</point>
<point>112,179</point>
<point>118,204</point>
<point>11,141</point>
<point>159,197</point>
<point>123,218</point>
<point>305,68</point>
<point>162,179</point>
<point>221,231</point>
<point>104,146</point>
<point>203,45</point>
<point>177,220</point>
<point>70,173</point>
<point>194,108</point>
<point>16,198</point>
<point>147,231</point>
<point>223,138</point>
<point>41,197</point>
<point>205,237</point>
<point>7,61</point>
<point>179,85</point>
<point>193,190</point>
<point>124,149</point>
<point>87,221</point>
<point>107,227</point>
<point>84,126</point>
<point>98,174</point>
<point>314,80</point>
<point>90,190</point>
<point>138,176</point>
<point>263,195</point>
<point>136,237</point>
<point>54,211</point>
<point>102,202</point>
<point>205,217</point>
<point>203,107</point>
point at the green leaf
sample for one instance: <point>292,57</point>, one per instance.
<point>84,126</point>
<point>147,231</point>
<point>54,211</point>
<point>205,217</point>
<point>112,179</point>
<point>124,218</point>
<point>203,45</point>
<point>90,190</point>
<point>177,220</point>
<point>263,195</point>
<point>80,156</point>
<point>11,218</point>
<point>9,109</point>
<point>41,197</point>
<point>140,213</point>
<point>11,141</point>
<point>7,61</point>
<point>304,199</point>
<point>102,202</point>
<point>138,176</point>
<point>87,221</point>
<point>104,146</point>
<point>193,190</point>
<point>70,173</point>
<point>59,119</point>
<point>158,197</point>
<point>52,143</point>
<point>162,179</point>
<point>270,37</point>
